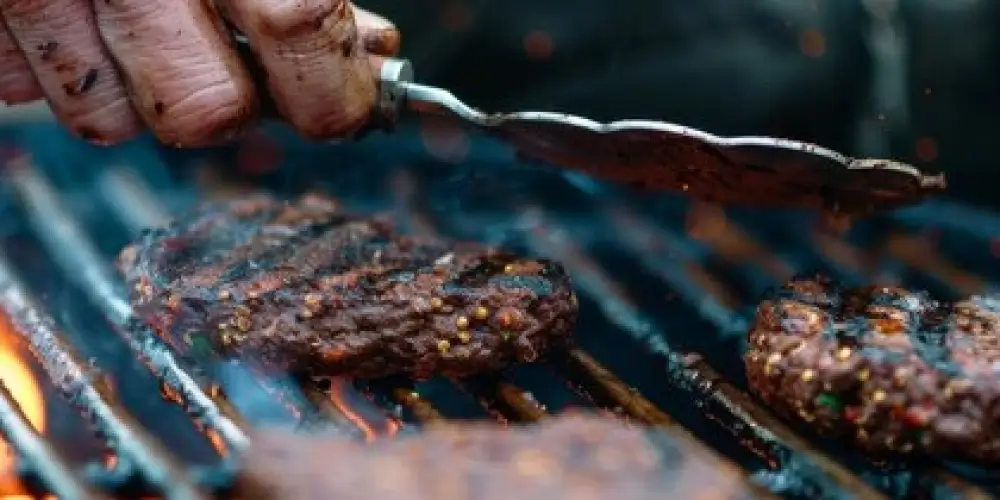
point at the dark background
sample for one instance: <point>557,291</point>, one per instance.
<point>916,80</point>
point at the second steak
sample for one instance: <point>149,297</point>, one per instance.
<point>304,287</point>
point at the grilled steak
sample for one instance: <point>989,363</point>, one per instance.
<point>895,370</point>
<point>586,458</point>
<point>305,287</point>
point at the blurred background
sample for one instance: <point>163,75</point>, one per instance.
<point>916,80</point>
<point>911,79</point>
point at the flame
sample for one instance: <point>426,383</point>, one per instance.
<point>371,427</point>
<point>24,387</point>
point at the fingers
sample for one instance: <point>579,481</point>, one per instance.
<point>378,35</point>
<point>185,76</point>
<point>318,73</point>
<point>59,39</point>
<point>17,84</point>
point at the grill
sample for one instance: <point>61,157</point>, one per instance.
<point>666,290</point>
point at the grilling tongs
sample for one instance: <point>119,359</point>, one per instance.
<point>652,155</point>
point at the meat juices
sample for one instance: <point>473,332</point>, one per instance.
<point>894,370</point>
<point>581,458</point>
<point>304,287</point>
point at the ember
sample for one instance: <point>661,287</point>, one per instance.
<point>372,426</point>
<point>22,385</point>
<point>632,359</point>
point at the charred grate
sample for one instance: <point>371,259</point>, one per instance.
<point>787,463</point>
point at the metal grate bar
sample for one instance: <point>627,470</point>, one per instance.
<point>422,409</point>
<point>775,442</point>
<point>499,397</point>
<point>130,198</point>
<point>587,377</point>
<point>845,259</point>
<point>312,409</point>
<point>327,409</point>
<point>82,262</point>
<point>732,243</point>
<point>502,399</point>
<point>968,220</point>
<point>605,389</point>
<point>846,256</point>
<point>85,389</point>
<point>358,406</point>
<point>138,207</point>
<point>37,458</point>
<point>918,254</point>
<point>943,484</point>
<point>676,263</point>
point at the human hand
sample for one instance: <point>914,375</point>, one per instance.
<point>110,68</point>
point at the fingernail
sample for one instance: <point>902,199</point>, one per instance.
<point>382,42</point>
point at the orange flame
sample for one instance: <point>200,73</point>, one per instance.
<point>371,426</point>
<point>24,387</point>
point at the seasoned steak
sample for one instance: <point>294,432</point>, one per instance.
<point>895,370</point>
<point>581,458</point>
<point>305,287</point>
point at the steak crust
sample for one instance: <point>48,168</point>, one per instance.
<point>894,370</point>
<point>307,288</point>
<point>579,458</point>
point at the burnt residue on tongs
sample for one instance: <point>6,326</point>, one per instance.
<point>653,155</point>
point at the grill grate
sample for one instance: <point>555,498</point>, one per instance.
<point>39,462</point>
<point>85,388</point>
<point>794,467</point>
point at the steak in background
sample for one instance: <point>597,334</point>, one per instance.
<point>305,287</point>
<point>891,369</point>
<point>578,458</point>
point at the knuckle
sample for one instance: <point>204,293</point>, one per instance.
<point>333,125</point>
<point>319,130</point>
<point>321,107</point>
<point>383,42</point>
<point>19,90</point>
<point>288,19</point>
<point>205,115</point>
<point>20,7</point>
<point>341,123</point>
<point>104,124</point>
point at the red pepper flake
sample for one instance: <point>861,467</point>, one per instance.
<point>916,416</point>
<point>899,413</point>
<point>852,413</point>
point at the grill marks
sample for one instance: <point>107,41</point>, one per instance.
<point>307,288</point>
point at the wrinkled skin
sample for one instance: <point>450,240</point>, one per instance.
<point>110,69</point>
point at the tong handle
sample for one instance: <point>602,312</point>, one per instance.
<point>390,74</point>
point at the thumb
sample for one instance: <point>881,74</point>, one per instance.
<point>378,35</point>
